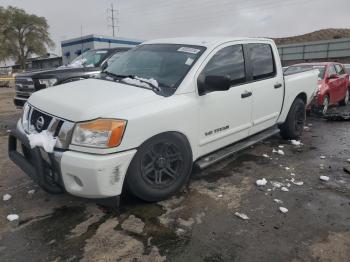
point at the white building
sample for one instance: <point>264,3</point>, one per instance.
<point>72,48</point>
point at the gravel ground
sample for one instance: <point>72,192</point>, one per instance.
<point>199,224</point>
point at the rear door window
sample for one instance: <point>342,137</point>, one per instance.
<point>331,70</point>
<point>262,61</point>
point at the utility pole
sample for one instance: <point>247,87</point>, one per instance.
<point>114,14</point>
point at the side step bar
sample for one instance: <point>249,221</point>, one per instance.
<point>228,151</point>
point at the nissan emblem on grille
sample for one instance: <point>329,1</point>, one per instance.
<point>39,123</point>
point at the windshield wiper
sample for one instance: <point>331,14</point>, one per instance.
<point>115,75</point>
<point>149,83</point>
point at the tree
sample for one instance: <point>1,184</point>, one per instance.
<point>22,35</point>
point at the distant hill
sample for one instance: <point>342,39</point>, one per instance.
<point>324,34</point>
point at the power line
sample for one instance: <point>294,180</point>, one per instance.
<point>114,19</point>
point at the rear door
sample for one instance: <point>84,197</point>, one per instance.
<point>225,116</point>
<point>343,81</point>
<point>334,84</point>
<point>266,85</point>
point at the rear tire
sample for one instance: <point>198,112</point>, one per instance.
<point>293,127</point>
<point>160,168</point>
<point>345,101</point>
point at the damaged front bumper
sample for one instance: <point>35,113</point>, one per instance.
<point>81,174</point>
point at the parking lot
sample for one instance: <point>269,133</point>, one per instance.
<point>199,224</point>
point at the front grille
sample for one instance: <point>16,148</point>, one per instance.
<point>24,84</point>
<point>36,121</point>
<point>39,120</point>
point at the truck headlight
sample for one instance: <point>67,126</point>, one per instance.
<point>101,133</point>
<point>48,82</point>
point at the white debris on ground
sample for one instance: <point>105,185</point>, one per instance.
<point>321,166</point>
<point>279,151</point>
<point>322,157</point>
<point>32,191</point>
<point>295,142</point>
<point>324,178</point>
<point>292,174</point>
<point>298,183</point>
<point>43,139</point>
<point>261,182</point>
<point>242,216</point>
<point>284,189</point>
<point>278,201</point>
<point>287,168</point>
<point>306,128</point>
<point>281,146</point>
<point>6,197</point>
<point>276,184</point>
<point>12,217</point>
<point>148,83</point>
<point>265,155</point>
<point>220,196</point>
<point>348,160</point>
<point>283,209</point>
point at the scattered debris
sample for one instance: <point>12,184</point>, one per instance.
<point>269,189</point>
<point>180,231</point>
<point>32,191</point>
<point>12,217</point>
<point>242,216</point>
<point>292,174</point>
<point>6,197</point>
<point>287,168</point>
<point>261,182</point>
<point>348,160</point>
<point>278,201</point>
<point>265,155</point>
<point>280,152</point>
<point>280,146</point>
<point>284,189</point>
<point>283,209</point>
<point>321,166</point>
<point>298,183</point>
<point>322,157</point>
<point>220,196</point>
<point>133,224</point>
<point>276,184</point>
<point>295,142</point>
<point>324,178</point>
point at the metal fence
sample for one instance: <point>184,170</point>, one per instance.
<point>329,50</point>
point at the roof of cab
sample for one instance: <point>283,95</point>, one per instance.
<point>204,41</point>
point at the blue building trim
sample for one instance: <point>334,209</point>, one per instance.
<point>99,39</point>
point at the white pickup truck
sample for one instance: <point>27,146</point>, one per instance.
<point>155,112</point>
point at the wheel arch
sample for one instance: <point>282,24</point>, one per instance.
<point>302,96</point>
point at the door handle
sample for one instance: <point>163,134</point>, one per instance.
<point>246,94</point>
<point>278,85</point>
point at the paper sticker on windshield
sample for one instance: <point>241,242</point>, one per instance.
<point>189,50</point>
<point>101,52</point>
<point>189,61</point>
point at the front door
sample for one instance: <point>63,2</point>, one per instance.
<point>225,116</point>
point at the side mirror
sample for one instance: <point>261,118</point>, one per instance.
<point>333,76</point>
<point>213,83</point>
<point>104,66</point>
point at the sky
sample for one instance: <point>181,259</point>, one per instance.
<point>149,19</point>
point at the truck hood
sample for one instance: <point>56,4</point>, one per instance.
<point>57,71</point>
<point>89,99</point>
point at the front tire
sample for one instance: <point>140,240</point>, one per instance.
<point>160,168</point>
<point>293,127</point>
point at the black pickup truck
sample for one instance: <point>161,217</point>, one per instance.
<point>86,65</point>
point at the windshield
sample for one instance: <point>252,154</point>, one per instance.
<point>167,64</point>
<point>92,58</point>
<point>301,68</point>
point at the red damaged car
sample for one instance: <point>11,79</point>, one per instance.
<point>333,84</point>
